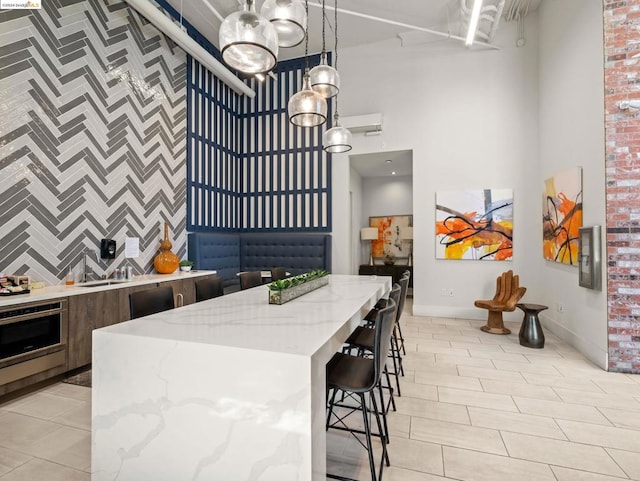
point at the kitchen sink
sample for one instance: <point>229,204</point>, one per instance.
<point>101,283</point>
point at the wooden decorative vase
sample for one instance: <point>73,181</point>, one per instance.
<point>166,262</point>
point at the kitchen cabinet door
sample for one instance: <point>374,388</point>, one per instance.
<point>86,313</point>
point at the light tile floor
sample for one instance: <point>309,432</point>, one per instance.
<point>474,407</point>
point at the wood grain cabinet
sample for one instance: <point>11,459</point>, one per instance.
<point>98,309</point>
<point>86,313</point>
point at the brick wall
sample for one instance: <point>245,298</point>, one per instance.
<point>622,135</point>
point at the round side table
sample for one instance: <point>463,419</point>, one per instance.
<point>531,334</point>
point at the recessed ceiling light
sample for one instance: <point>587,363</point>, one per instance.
<point>388,161</point>
<point>393,173</point>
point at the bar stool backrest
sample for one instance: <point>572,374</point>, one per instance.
<point>382,340</point>
<point>250,279</point>
<point>404,286</point>
<point>209,288</point>
<point>396,294</point>
<point>150,301</point>
<point>278,273</point>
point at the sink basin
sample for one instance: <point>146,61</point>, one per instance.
<point>100,283</point>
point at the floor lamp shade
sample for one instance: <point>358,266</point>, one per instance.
<point>406,234</point>
<point>369,234</point>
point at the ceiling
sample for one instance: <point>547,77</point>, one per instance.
<point>376,165</point>
<point>355,28</point>
<point>362,22</point>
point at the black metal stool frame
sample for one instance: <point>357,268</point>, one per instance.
<point>342,373</point>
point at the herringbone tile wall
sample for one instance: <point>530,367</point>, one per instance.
<point>92,136</point>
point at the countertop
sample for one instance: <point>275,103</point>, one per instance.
<point>62,290</point>
<point>246,320</point>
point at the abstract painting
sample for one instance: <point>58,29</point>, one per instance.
<point>474,224</point>
<point>390,243</point>
<point>562,216</point>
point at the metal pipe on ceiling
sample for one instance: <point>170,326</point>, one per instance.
<point>404,25</point>
<point>175,33</point>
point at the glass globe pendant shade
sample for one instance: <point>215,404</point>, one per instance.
<point>336,139</point>
<point>307,108</point>
<point>248,41</point>
<point>325,79</point>
<point>289,18</point>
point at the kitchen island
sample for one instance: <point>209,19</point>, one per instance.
<point>228,389</point>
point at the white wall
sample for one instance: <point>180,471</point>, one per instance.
<point>485,118</point>
<point>572,134</point>
<point>386,196</point>
<point>470,117</point>
<point>355,187</point>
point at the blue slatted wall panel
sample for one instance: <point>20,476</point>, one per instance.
<point>248,168</point>
<point>286,176</point>
<point>213,172</point>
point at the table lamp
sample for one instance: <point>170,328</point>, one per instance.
<point>406,234</point>
<point>369,234</point>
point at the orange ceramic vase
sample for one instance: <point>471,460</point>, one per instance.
<point>166,262</point>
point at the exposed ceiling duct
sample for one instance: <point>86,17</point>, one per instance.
<point>190,46</point>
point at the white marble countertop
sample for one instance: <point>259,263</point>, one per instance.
<point>246,320</point>
<point>231,388</point>
<point>53,292</point>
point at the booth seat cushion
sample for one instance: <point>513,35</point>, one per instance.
<point>230,253</point>
<point>216,251</point>
<point>297,253</point>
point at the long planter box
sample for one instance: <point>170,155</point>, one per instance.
<point>286,295</point>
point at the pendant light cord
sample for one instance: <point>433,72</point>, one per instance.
<point>306,39</point>
<point>323,46</point>
<point>335,46</point>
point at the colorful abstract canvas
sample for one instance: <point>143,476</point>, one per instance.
<point>390,243</point>
<point>474,224</point>
<point>562,216</point>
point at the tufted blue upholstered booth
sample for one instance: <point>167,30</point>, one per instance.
<point>231,253</point>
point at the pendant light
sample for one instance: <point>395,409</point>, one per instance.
<point>289,19</point>
<point>337,139</point>
<point>307,108</point>
<point>248,41</point>
<point>324,78</point>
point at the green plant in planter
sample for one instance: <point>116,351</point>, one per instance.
<point>283,284</point>
<point>186,263</point>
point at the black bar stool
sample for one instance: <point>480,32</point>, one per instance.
<point>209,288</point>
<point>357,376</point>
<point>250,279</point>
<point>150,301</point>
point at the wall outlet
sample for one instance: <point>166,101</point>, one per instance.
<point>560,307</point>
<point>443,292</point>
<point>450,292</point>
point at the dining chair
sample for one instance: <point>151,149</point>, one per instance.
<point>357,377</point>
<point>209,288</point>
<point>150,301</point>
<point>250,279</point>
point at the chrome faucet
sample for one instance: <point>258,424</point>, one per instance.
<point>86,271</point>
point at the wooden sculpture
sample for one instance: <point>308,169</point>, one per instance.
<point>508,293</point>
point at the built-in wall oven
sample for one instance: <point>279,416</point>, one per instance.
<point>33,338</point>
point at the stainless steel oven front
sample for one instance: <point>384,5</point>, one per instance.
<point>33,338</point>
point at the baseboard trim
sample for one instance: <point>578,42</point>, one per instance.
<point>449,311</point>
<point>589,350</point>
